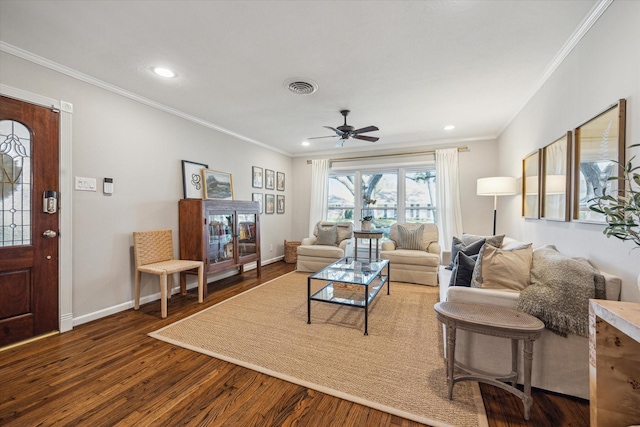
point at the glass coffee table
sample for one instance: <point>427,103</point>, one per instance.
<point>354,283</point>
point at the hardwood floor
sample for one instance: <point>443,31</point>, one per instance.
<point>109,372</point>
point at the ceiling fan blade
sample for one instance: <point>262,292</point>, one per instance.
<point>337,131</point>
<point>320,137</point>
<point>366,138</point>
<point>363,130</point>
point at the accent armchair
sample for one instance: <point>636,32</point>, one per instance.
<point>414,255</point>
<point>330,242</point>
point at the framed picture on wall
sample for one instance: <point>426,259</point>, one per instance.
<point>531,185</point>
<point>256,177</point>
<point>218,185</point>
<point>599,152</point>
<point>280,204</point>
<point>556,179</point>
<point>257,197</point>
<point>192,182</point>
<point>269,179</point>
<point>280,181</point>
<point>270,203</point>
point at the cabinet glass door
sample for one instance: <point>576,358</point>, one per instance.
<point>246,234</point>
<point>220,237</point>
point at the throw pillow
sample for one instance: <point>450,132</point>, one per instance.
<point>495,241</point>
<point>410,239</point>
<point>463,270</point>
<point>503,269</point>
<point>471,249</point>
<point>327,236</point>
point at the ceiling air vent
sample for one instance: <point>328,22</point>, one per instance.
<point>301,86</point>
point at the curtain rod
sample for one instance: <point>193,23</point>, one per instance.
<point>376,156</point>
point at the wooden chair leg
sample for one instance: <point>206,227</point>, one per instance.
<point>136,292</point>
<point>163,294</point>
<point>169,285</point>
<point>201,283</point>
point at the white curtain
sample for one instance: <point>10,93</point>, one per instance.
<point>448,196</point>
<point>319,192</point>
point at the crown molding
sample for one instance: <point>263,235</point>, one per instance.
<point>592,17</point>
<point>28,56</point>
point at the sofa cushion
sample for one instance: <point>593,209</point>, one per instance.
<point>411,257</point>
<point>457,245</point>
<point>503,269</point>
<point>327,236</point>
<point>410,239</point>
<point>463,269</point>
<point>495,241</point>
<point>320,251</point>
<point>429,233</point>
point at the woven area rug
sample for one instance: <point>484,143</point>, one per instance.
<point>398,368</point>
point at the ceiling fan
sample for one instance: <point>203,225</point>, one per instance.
<point>345,132</point>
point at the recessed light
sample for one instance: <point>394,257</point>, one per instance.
<point>306,143</point>
<point>449,127</point>
<point>164,72</point>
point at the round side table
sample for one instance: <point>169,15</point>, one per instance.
<point>496,321</point>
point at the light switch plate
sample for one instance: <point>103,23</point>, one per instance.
<point>85,184</point>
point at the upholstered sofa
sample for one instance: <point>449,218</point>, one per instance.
<point>560,363</point>
<point>330,242</point>
<point>418,265</point>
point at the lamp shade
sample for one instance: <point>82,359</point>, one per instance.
<point>496,186</point>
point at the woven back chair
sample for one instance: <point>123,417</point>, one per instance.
<point>153,252</point>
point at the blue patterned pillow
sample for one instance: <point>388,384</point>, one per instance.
<point>410,239</point>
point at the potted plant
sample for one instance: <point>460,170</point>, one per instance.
<point>365,222</point>
<point>622,210</point>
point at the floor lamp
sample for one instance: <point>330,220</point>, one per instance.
<point>496,186</point>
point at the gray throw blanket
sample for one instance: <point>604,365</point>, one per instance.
<point>560,291</point>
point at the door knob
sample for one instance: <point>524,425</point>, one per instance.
<point>49,234</point>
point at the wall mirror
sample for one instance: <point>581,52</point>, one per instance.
<point>600,146</point>
<point>531,185</point>
<point>556,179</point>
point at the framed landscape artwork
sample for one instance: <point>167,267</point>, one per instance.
<point>256,177</point>
<point>192,181</point>
<point>280,181</point>
<point>257,197</point>
<point>556,179</point>
<point>280,204</point>
<point>599,152</point>
<point>270,203</point>
<point>218,185</point>
<point>531,185</point>
<point>269,179</point>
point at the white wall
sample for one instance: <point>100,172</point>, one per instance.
<point>481,161</point>
<point>604,67</point>
<point>141,148</point>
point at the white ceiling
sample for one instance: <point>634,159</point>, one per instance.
<point>408,67</point>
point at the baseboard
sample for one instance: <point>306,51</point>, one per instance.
<point>76,321</point>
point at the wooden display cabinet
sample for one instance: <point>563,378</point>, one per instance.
<point>225,234</point>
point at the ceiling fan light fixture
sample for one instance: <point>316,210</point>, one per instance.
<point>301,86</point>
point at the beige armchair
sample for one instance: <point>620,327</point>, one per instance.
<point>330,242</point>
<point>419,262</point>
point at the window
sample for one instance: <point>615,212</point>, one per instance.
<point>388,195</point>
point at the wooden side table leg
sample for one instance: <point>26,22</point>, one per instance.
<point>528,359</point>
<point>514,361</point>
<point>451,355</point>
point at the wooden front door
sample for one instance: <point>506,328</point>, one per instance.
<point>29,162</point>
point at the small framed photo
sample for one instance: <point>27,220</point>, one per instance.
<point>192,182</point>
<point>269,179</point>
<point>531,166</point>
<point>270,203</point>
<point>257,197</point>
<point>256,177</point>
<point>280,181</point>
<point>280,205</point>
<point>218,185</point>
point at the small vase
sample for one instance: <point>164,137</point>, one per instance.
<point>366,225</point>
